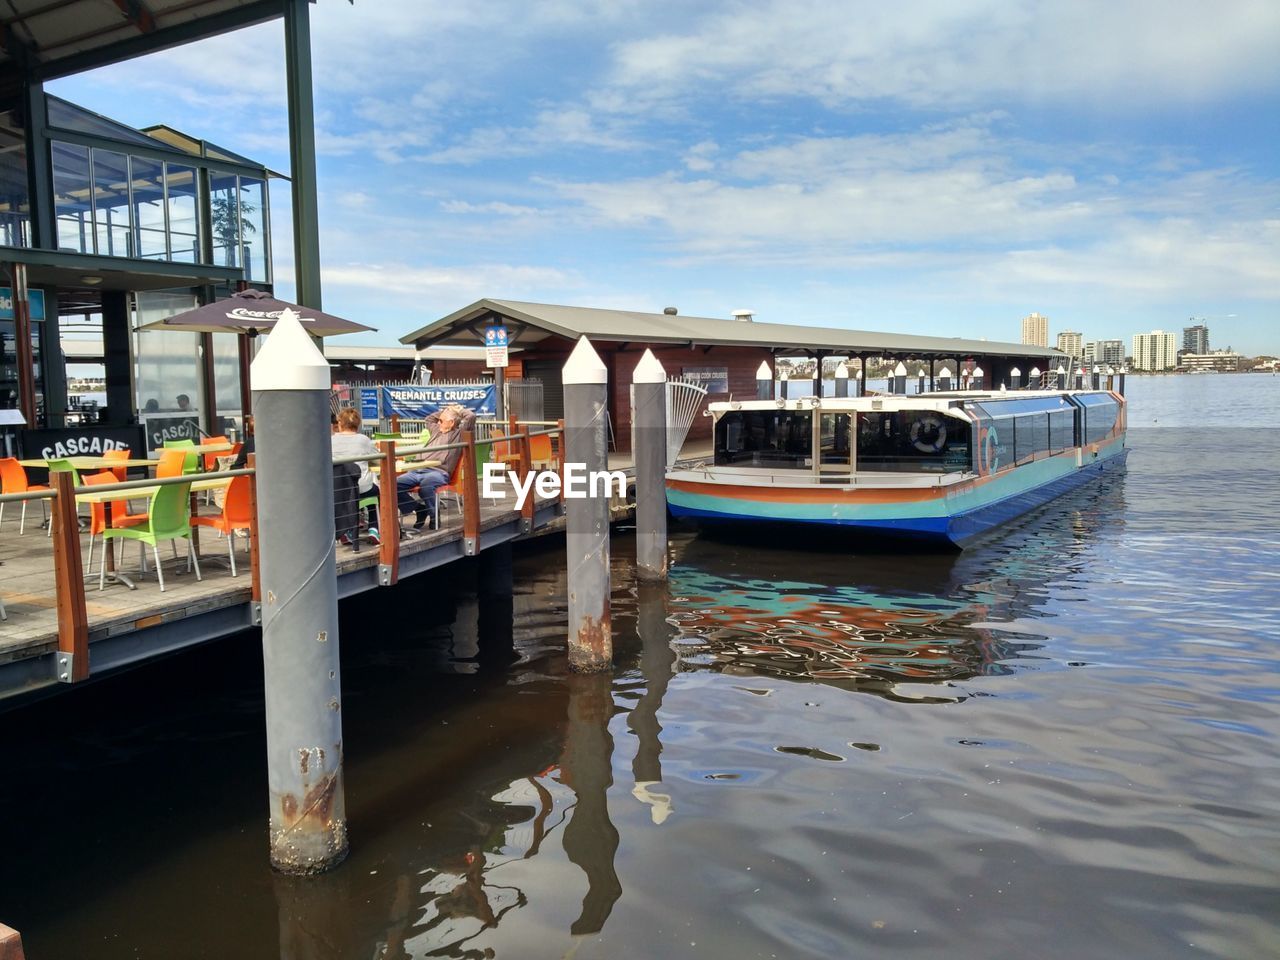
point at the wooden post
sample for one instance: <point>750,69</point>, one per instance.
<point>254,571</point>
<point>525,467</point>
<point>560,455</point>
<point>395,423</point>
<point>388,517</point>
<point>22,346</point>
<point>470,496</point>
<point>73,620</point>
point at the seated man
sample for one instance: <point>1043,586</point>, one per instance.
<point>446,426</point>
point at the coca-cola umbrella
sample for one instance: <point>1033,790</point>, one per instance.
<point>250,311</point>
<point>247,313</point>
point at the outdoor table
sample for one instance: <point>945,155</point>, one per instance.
<point>201,449</point>
<point>108,496</point>
<point>87,463</point>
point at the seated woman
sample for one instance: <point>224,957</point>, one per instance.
<point>348,441</point>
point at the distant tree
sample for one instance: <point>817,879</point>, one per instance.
<point>224,211</point>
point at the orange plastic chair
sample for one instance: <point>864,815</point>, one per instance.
<point>120,472</point>
<point>540,451</point>
<point>120,515</point>
<point>452,487</point>
<point>172,463</point>
<point>236,516</point>
<point>211,459</point>
<point>13,479</point>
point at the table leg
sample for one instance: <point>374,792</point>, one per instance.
<point>112,573</point>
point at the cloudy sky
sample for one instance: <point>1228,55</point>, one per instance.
<point>934,167</point>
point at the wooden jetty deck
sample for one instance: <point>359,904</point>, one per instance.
<point>125,626</point>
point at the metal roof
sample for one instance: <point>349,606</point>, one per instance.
<point>53,38</point>
<point>537,321</point>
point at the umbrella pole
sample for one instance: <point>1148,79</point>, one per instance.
<point>246,357</point>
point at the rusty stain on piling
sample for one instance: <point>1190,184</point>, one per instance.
<point>311,835</point>
<point>591,650</point>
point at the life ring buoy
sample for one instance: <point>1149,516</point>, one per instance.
<point>991,451</point>
<point>933,424</point>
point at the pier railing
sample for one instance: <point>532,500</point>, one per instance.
<point>64,568</point>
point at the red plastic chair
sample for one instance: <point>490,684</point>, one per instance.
<point>13,479</point>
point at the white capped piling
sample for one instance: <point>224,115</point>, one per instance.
<point>1120,384</point>
<point>975,378</point>
<point>649,415</point>
<point>1061,374</point>
<point>842,380</point>
<point>920,380</point>
<point>1080,378</point>
<point>1097,377</point>
<point>764,382</point>
<point>1111,378</point>
<point>944,379</point>
<point>859,379</point>
<point>587,518</point>
<point>1034,382</point>
<point>290,380</point>
<point>1015,378</point>
<point>899,382</point>
<point>784,379</point>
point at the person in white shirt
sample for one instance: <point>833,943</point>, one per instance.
<point>348,441</point>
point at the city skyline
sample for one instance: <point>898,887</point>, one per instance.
<point>941,171</point>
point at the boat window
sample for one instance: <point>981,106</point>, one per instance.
<point>765,438</point>
<point>912,441</point>
<point>1062,430</point>
<point>1030,435</point>
<point>1100,414</point>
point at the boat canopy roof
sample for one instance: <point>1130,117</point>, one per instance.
<point>1013,406</point>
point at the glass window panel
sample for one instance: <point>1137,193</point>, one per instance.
<point>168,366</point>
<point>148,208</point>
<point>71,197</point>
<point>111,203</point>
<point>184,232</point>
<point>780,439</point>
<point>14,198</point>
<point>224,216</point>
<point>253,229</point>
<point>834,443</point>
<point>226,379</point>
<point>68,116</point>
<point>912,441</point>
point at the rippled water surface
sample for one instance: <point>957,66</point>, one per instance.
<point>1061,743</point>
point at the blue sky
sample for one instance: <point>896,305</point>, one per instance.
<point>935,167</point>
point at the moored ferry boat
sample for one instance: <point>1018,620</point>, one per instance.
<point>940,467</point>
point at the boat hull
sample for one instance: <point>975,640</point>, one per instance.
<point>953,515</point>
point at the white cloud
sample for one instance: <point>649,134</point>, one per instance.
<point>951,53</point>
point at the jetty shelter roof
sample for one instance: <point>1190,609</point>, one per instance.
<point>537,321</point>
<point>42,39</point>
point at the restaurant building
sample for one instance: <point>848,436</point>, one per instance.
<point>141,224</point>
<point>719,354</point>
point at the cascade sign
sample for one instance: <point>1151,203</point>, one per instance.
<point>414,402</point>
<point>79,441</point>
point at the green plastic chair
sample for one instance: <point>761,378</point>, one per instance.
<point>192,462</point>
<point>168,518</point>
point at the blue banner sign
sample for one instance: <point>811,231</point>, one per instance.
<point>35,298</point>
<point>495,336</point>
<point>418,402</point>
<point>369,403</point>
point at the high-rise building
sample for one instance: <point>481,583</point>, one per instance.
<point>1035,330</point>
<point>1071,343</point>
<point>1109,352</point>
<point>1195,339</point>
<point>1156,350</point>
